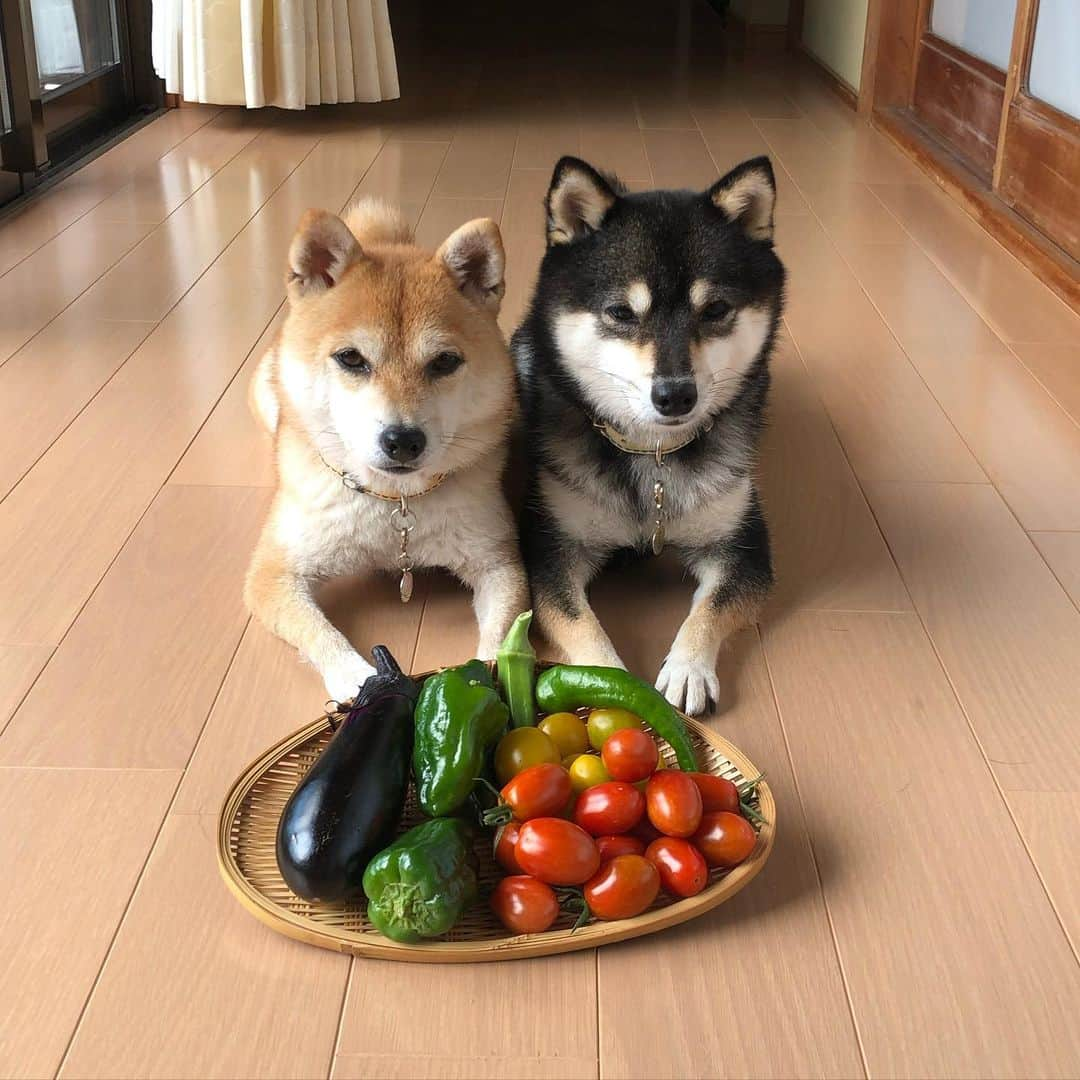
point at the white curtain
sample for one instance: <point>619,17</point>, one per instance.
<point>288,53</point>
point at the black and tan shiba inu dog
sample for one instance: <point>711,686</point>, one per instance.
<point>643,364</point>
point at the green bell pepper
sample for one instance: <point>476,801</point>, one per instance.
<point>459,717</point>
<point>419,886</point>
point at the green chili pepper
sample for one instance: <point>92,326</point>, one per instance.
<point>564,688</point>
<point>458,717</point>
<point>419,886</point>
<point>516,668</point>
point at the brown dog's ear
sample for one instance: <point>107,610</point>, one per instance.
<point>321,251</point>
<point>577,201</point>
<point>748,196</point>
<point>474,257</point>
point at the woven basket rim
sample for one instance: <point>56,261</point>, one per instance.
<point>312,931</point>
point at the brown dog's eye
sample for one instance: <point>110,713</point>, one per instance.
<point>446,363</point>
<point>715,311</point>
<point>353,360</point>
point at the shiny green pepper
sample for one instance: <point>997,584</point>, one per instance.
<point>419,886</point>
<point>459,717</point>
<point>565,687</point>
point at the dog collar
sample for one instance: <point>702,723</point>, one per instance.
<point>657,449</point>
<point>350,481</point>
<point>402,521</point>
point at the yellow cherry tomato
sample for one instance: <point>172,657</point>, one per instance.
<point>569,760</point>
<point>587,771</point>
<point>567,731</point>
<point>602,722</point>
<point>520,748</point>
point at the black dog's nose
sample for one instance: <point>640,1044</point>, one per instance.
<point>402,444</point>
<point>674,396</point>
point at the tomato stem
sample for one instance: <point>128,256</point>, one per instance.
<point>496,815</point>
<point>747,792</point>
<point>571,899</point>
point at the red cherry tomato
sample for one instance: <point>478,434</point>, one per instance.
<point>506,839</point>
<point>681,866</point>
<point>623,888</point>
<point>609,808</point>
<point>624,844</point>
<point>524,905</point>
<point>539,791</point>
<point>674,802</point>
<point>725,839</point>
<point>716,792</point>
<point>630,755</point>
<point>556,851</point>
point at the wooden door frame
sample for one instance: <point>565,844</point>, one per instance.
<point>894,31</point>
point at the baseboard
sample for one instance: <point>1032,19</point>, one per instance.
<point>843,89</point>
<point>1054,267</point>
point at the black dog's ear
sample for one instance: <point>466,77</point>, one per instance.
<point>748,195</point>
<point>577,201</point>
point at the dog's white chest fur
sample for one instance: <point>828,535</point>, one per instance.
<point>604,520</point>
<point>337,531</point>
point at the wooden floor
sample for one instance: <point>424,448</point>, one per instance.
<point>913,692</point>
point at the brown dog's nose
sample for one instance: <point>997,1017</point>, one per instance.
<point>402,444</point>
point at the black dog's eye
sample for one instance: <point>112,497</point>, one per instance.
<point>353,360</point>
<point>623,313</point>
<point>715,310</point>
<point>446,363</point>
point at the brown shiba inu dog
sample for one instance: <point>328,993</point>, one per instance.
<point>389,378</point>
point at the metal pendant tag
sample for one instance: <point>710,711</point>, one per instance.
<point>658,539</point>
<point>405,588</point>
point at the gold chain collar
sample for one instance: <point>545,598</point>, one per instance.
<point>402,521</point>
<point>621,442</point>
<point>659,451</point>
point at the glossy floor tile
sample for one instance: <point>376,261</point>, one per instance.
<point>911,692</point>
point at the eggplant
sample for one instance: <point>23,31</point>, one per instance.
<point>347,807</point>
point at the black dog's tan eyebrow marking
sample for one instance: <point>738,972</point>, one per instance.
<point>701,292</point>
<point>639,298</point>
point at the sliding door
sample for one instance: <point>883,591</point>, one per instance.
<point>1038,170</point>
<point>69,72</point>
<point>996,83</point>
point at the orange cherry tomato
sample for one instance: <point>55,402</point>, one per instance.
<point>524,905</point>
<point>539,791</point>
<point>622,888</point>
<point>609,808</point>
<point>556,851</point>
<point>623,844</point>
<point>673,802</point>
<point>503,849</point>
<point>716,792</point>
<point>725,839</point>
<point>630,755</point>
<point>681,866</point>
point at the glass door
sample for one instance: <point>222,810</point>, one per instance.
<point>1038,168</point>
<point>959,86</point>
<point>71,72</point>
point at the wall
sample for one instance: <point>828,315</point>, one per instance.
<point>833,32</point>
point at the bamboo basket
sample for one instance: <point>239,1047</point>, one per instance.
<point>247,829</point>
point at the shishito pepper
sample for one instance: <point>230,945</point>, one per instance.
<point>515,663</point>
<point>566,687</point>
<point>459,717</point>
<point>419,886</point>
